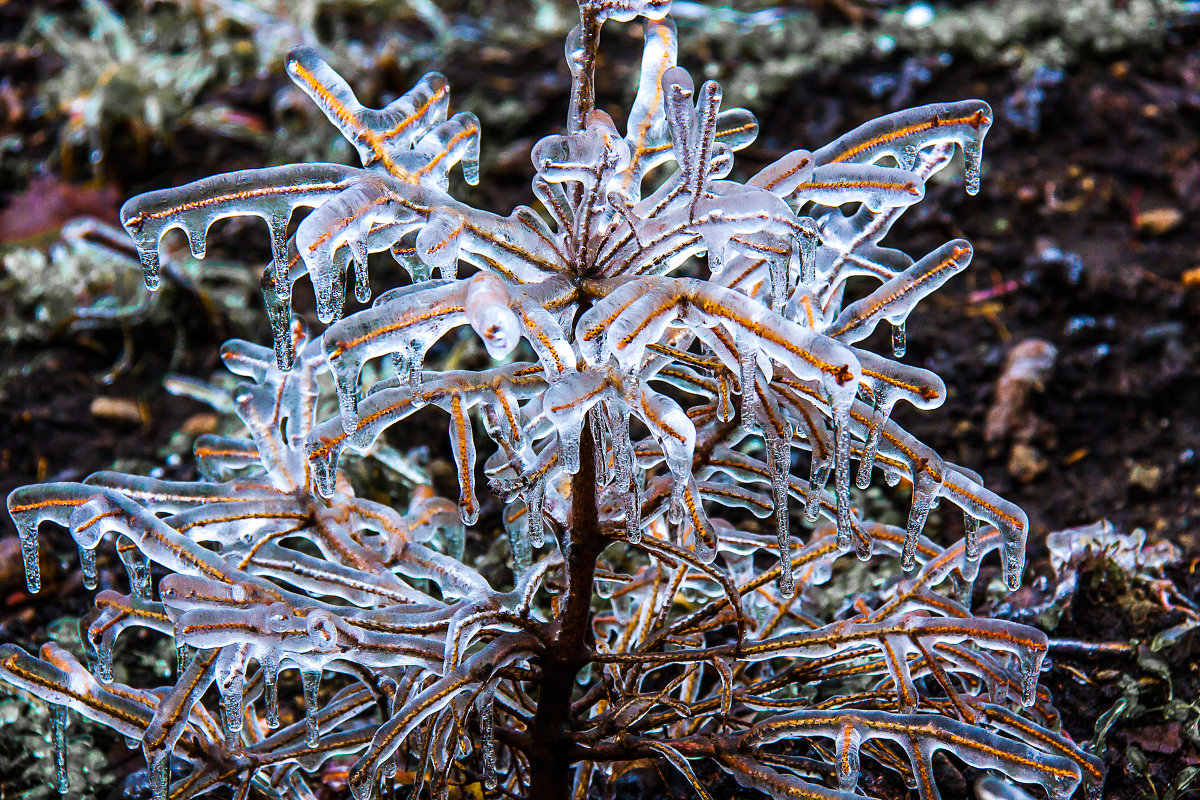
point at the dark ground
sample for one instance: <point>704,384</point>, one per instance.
<point>1111,179</point>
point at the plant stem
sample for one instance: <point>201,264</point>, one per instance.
<point>550,751</point>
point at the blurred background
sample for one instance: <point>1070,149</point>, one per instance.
<point>1069,347</point>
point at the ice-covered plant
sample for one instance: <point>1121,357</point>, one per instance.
<point>650,618</point>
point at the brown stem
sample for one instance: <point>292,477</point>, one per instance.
<point>584,91</point>
<point>550,754</point>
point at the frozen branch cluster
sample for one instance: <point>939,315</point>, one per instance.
<point>676,355</point>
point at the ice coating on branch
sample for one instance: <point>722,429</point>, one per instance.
<point>683,344</point>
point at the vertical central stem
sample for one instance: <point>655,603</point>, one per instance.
<point>584,92</point>
<point>550,751</point>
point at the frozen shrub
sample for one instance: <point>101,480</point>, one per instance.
<point>668,342</point>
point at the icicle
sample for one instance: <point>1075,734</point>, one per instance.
<point>971,537</point>
<point>29,554</point>
<point>780,451</point>
<point>87,565</point>
<point>599,457</point>
<point>866,463</point>
<point>962,589</point>
<point>725,410</point>
<point>183,657</point>
<point>841,469</point>
<point>623,469</point>
<point>324,469</point>
<point>817,478</point>
<point>517,526</point>
<point>847,757</point>
<point>269,663</point>
<point>749,362</point>
<point>972,161</point>
<point>231,712</point>
<point>413,363</point>
<point>779,276</point>
<point>362,284</point>
<point>147,248</point>
<point>535,499</point>
<point>58,735</point>
<point>277,227</point>
<point>487,735</point>
<point>279,313</point>
<point>104,661</point>
<point>487,310</point>
<point>196,237</point>
<point>311,679</point>
<point>899,340</point>
<point>925,489</point>
<point>160,774</point>
<point>1031,664</point>
<point>406,256</point>
<point>863,547</point>
<point>675,505</point>
<point>633,512</point>
<point>145,591</point>
<point>808,253</point>
<point>622,449</point>
<point>1014,553</point>
<point>138,568</point>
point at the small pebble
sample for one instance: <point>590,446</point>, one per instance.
<point>1159,221</point>
<point>117,409</point>
<point>1146,476</point>
<point>200,423</point>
